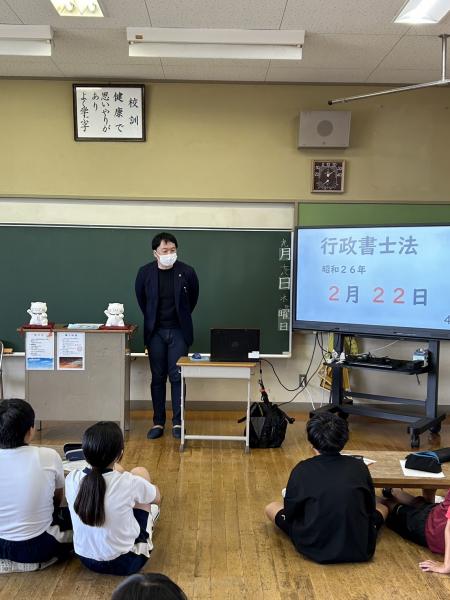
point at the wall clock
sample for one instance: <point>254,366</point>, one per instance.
<point>328,176</point>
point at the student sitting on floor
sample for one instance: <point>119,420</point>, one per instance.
<point>423,522</point>
<point>148,586</point>
<point>33,528</point>
<point>330,512</point>
<point>112,510</point>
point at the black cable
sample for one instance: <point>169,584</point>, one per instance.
<point>306,377</point>
<point>316,341</point>
<point>321,345</point>
<point>304,386</point>
<point>301,385</point>
<point>278,379</point>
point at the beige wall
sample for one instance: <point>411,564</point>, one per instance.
<point>224,141</point>
<point>219,142</point>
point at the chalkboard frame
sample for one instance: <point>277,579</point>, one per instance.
<point>283,350</point>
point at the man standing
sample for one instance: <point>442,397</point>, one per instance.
<point>167,292</point>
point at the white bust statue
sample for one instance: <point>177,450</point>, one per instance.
<point>38,312</point>
<point>114,312</point>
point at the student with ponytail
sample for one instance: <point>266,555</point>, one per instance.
<point>113,511</point>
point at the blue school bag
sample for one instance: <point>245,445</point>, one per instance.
<point>73,452</point>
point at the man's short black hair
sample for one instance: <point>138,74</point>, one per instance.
<point>16,418</point>
<point>327,432</point>
<point>163,237</point>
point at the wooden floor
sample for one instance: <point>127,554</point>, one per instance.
<point>212,537</point>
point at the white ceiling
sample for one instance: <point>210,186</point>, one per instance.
<point>347,41</point>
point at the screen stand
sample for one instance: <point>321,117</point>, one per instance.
<point>341,400</point>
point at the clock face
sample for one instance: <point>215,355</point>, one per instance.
<point>327,176</point>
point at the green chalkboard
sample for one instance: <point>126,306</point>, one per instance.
<point>78,270</point>
<point>353,213</point>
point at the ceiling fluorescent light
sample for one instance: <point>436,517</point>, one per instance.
<point>77,8</point>
<point>417,12</point>
<point>215,43</point>
<point>26,40</point>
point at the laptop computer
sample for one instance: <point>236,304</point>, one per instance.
<point>233,345</point>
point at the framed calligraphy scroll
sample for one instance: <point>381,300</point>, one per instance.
<point>102,113</point>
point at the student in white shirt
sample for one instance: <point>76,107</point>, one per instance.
<point>113,511</point>
<point>33,527</point>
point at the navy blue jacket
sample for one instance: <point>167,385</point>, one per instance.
<point>186,296</point>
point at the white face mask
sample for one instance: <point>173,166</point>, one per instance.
<point>167,260</point>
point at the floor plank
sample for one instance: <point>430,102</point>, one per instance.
<point>212,536</point>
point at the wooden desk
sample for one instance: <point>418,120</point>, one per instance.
<point>387,472</point>
<point>215,370</point>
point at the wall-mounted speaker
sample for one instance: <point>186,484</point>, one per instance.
<point>324,129</point>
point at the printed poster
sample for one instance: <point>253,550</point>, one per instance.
<point>39,351</point>
<point>71,351</point>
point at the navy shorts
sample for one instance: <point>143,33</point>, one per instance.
<point>42,548</point>
<point>125,564</point>
<point>409,521</point>
<point>280,521</point>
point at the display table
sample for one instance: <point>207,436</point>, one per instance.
<point>98,392</point>
<point>192,369</point>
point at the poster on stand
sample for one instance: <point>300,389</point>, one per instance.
<point>70,351</point>
<point>39,351</point>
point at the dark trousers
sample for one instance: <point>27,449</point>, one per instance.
<point>125,564</point>
<point>42,548</point>
<point>166,346</point>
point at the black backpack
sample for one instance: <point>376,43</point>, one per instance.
<point>268,423</point>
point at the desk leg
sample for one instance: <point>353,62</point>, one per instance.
<point>247,421</point>
<point>182,410</point>
<point>126,417</point>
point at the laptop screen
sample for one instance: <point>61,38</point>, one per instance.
<point>233,345</point>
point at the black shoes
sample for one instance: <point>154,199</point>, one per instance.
<point>387,493</point>
<point>176,432</point>
<point>155,432</point>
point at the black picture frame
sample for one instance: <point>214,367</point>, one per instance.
<point>110,135</point>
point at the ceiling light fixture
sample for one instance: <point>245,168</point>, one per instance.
<point>78,8</point>
<point>26,40</point>
<point>440,82</point>
<point>419,12</point>
<point>215,43</point>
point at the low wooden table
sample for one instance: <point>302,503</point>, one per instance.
<point>387,472</point>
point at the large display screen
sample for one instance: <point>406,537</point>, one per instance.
<point>374,280</point>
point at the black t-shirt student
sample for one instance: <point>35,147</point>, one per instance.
<point>329,509</point>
